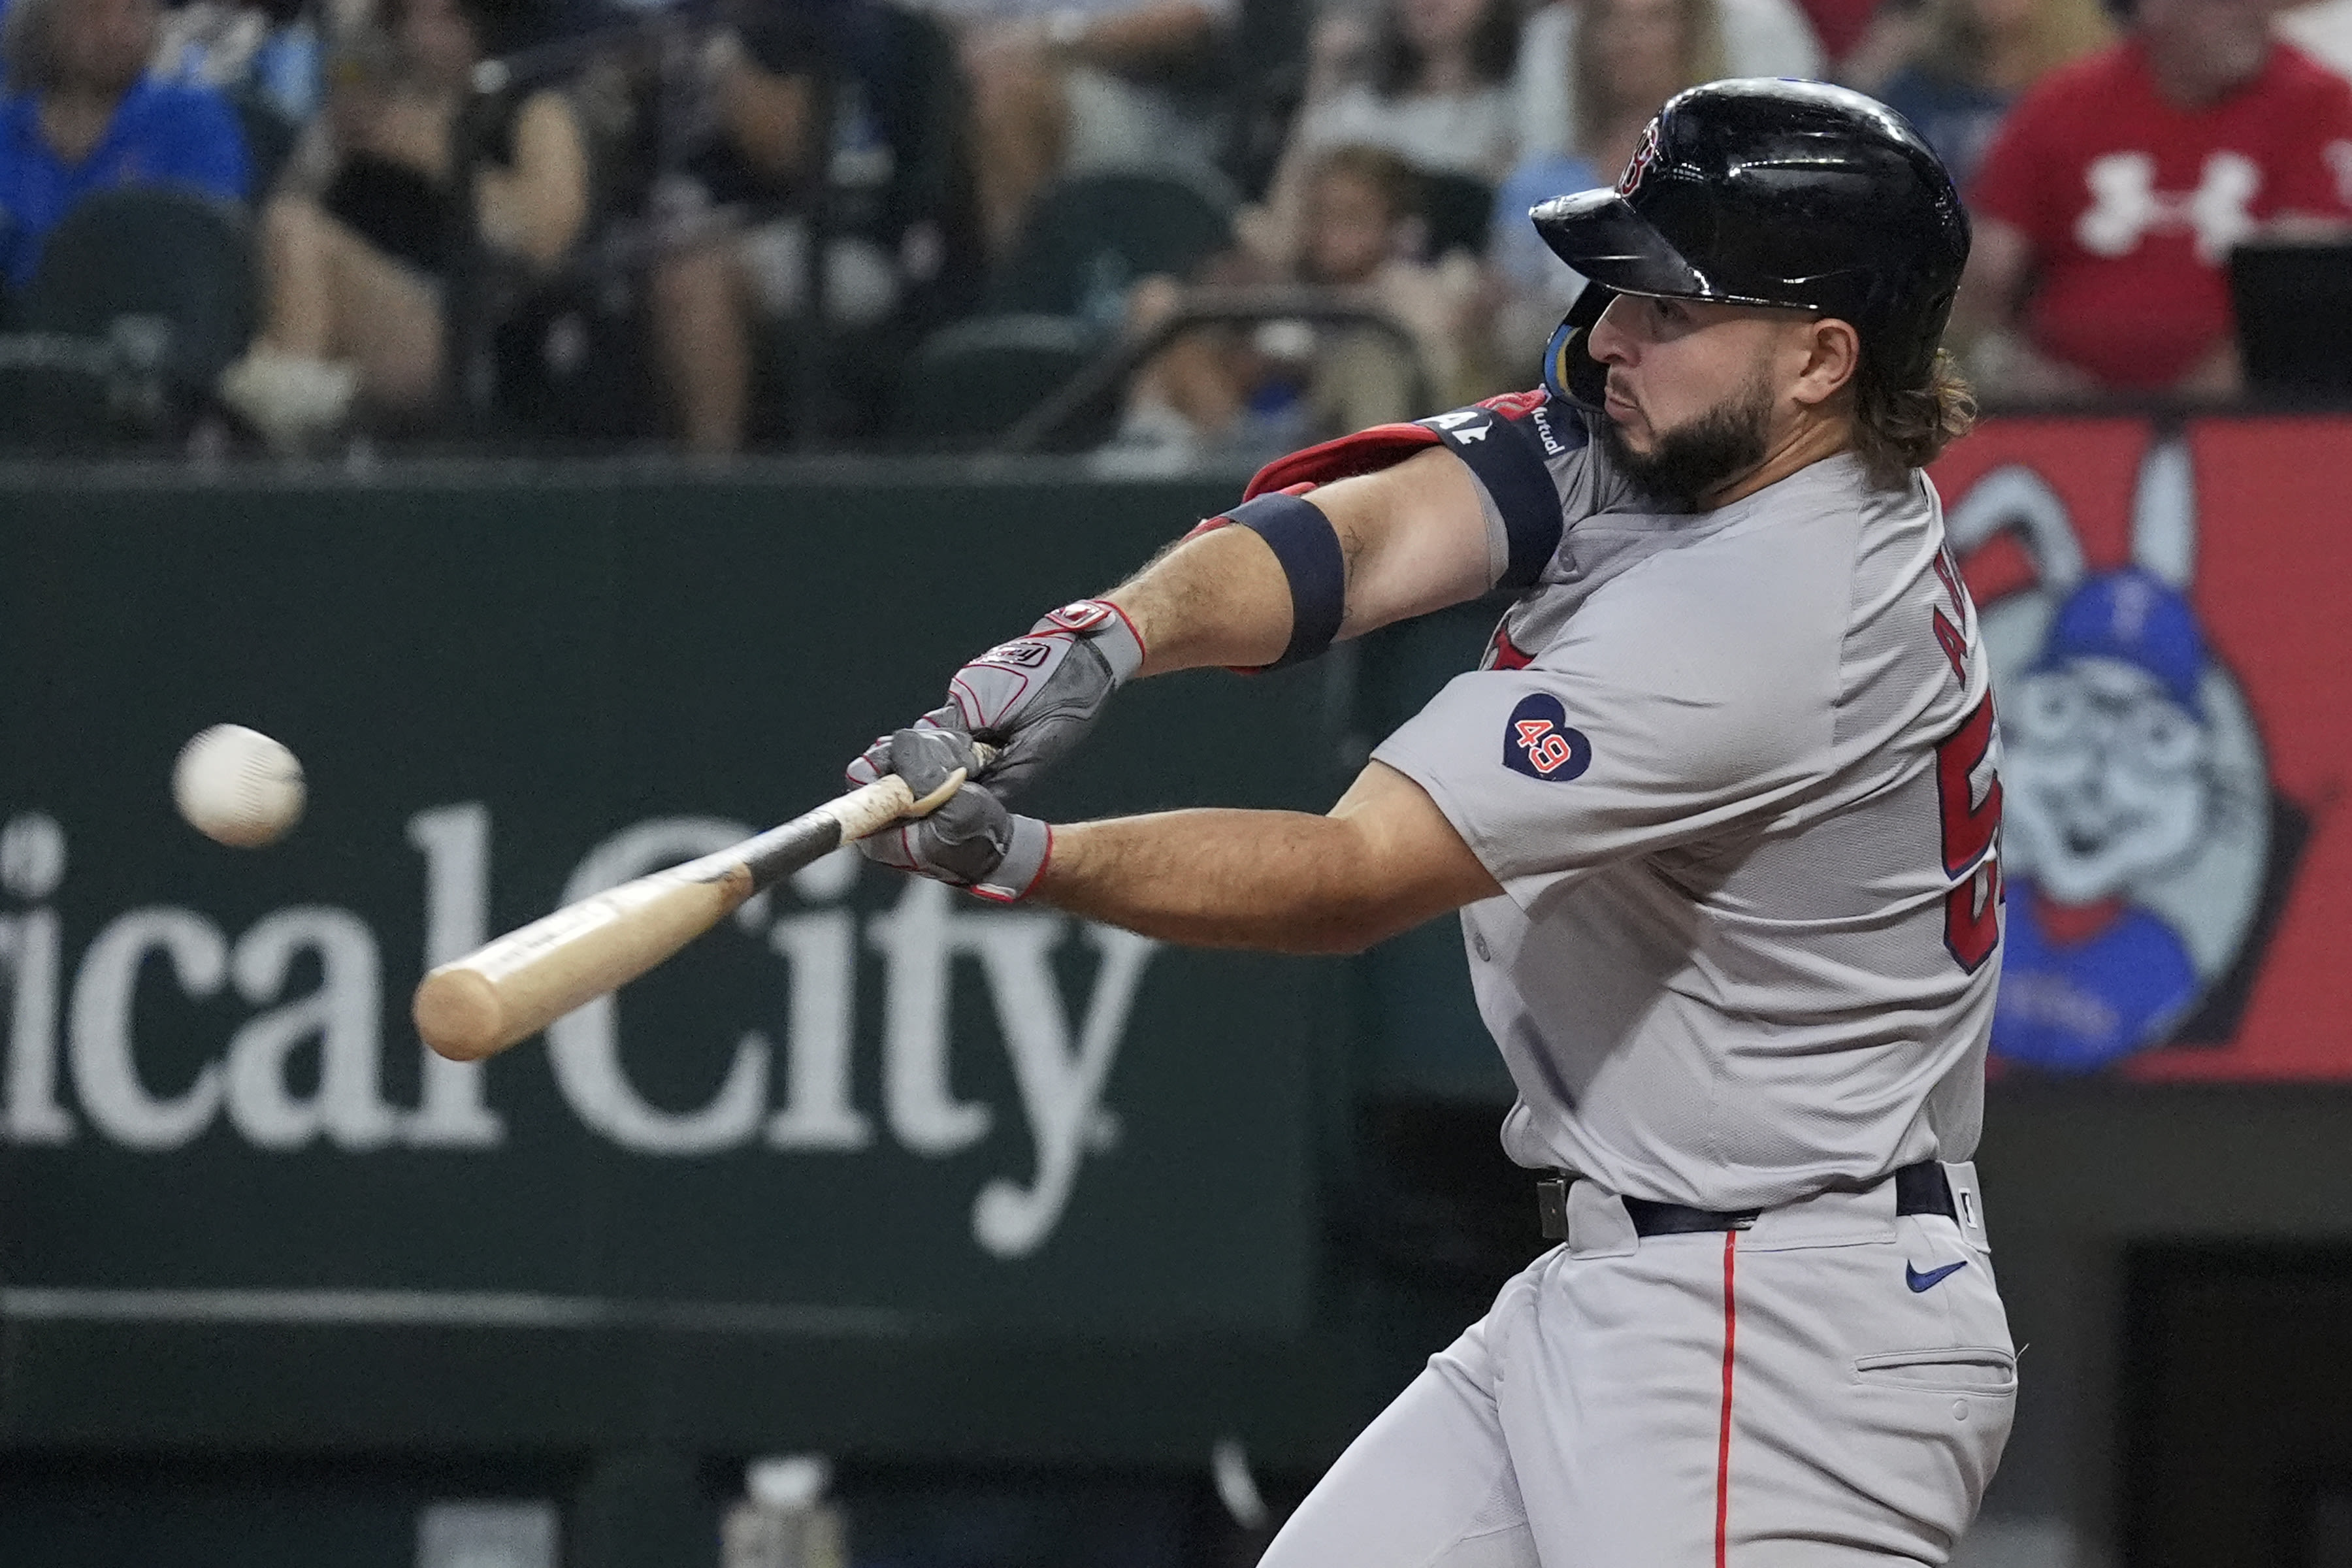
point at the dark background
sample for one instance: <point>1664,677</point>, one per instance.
<point>1305,1198</point>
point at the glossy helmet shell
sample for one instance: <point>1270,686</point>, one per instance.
<point>1766,192</point>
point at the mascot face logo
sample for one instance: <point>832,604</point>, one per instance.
<point>2106,756</point>
<point>2142,840</point>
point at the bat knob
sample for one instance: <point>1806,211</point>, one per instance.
<point>938,797</point>
<point>458,1013</point>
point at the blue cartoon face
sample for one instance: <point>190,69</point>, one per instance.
<point>2138,844</point>
<point>2106,776</point>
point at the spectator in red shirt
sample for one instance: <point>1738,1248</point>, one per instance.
<point>2107,206</point>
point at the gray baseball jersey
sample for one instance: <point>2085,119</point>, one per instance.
<point>1736,772</point>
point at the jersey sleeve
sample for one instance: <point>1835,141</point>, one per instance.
<point>1537,468</point>
<point>1657,719</point>
<point>1530,456</point>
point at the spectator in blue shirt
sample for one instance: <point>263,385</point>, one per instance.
<point>81,115</point>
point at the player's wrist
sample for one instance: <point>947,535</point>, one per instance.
<point>1028,849</point>
<point>1104,627</point>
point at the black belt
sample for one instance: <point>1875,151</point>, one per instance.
<point>1922,1188</point>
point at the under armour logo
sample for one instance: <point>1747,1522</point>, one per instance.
<point>2126,205</point>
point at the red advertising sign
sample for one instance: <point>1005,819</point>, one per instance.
<point>2165,610</point>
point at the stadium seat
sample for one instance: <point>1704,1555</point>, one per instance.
<point>1090,238</point>
<point>182,260</point>
<point>1460,211</point>
<point>970,381</point>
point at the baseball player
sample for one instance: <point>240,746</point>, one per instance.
<point>1719,812</point>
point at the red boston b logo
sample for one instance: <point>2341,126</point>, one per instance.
<point>1646,153</point>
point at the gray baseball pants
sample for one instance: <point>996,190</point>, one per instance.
<point>1828,1389</point>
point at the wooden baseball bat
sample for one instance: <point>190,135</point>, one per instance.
<point>510,989</point>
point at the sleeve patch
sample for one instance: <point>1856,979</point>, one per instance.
<point>1539,742</point>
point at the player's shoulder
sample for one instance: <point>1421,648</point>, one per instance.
<point>1787,556</point>
<point>1765,592</point>
<point>1824,506</point>
<point>1551,426</point>
<point>1529,424</point>
<point>1534,456</point>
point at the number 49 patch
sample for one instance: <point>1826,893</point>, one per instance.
<point>1539,742</point>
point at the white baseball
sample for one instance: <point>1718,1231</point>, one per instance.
<point>237,786</point>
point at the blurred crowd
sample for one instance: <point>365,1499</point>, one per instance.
<point>1166,230</point>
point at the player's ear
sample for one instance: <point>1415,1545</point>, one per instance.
<point>1832,355</point>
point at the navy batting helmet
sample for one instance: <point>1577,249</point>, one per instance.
<point>1763,192</point>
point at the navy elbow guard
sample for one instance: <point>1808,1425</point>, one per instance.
<point>1304,541</point>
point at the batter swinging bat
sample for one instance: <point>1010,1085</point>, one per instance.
<point>479,1005</point>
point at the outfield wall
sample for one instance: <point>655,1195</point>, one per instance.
<point>882,1172</point>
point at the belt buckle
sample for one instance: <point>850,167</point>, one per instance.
<point>1551,1204</point>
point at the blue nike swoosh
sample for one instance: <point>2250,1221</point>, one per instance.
<point>1933,1278</point>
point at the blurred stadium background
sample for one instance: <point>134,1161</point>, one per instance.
<point>445,388</point>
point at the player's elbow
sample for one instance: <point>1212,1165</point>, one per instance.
<point>1355,926</point>
<point>1334,939</point>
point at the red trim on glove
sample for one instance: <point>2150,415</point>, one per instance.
<point>1132,629</point>
<point>977,891</point>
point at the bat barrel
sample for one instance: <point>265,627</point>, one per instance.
<point>516,986</point>
<point>530,977</point>
<point>459,1015</point>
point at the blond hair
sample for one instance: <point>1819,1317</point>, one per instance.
<point>1597,109</point>
<point>2056,31</point>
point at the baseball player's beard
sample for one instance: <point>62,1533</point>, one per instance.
<point>1691,462</point>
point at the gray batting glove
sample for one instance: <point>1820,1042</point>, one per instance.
<point>971,842</point>
<point>1033,697</point>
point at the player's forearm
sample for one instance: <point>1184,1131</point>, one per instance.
<point>1412,538</point>
<point>1279,881</point>
<point>1218,598</point>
